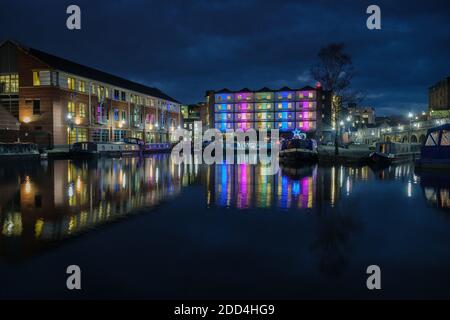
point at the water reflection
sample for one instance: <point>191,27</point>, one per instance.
<point>59,199</point>
<point>245,186</point>
<point>436,189</point>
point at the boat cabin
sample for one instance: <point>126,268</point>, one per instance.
<point>437,143</point>
<point>396,148</point>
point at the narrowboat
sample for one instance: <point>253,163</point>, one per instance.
<point>435,153</point>
<point>9,151</point>
<point>105,149</point>
<point>298,151</point>
<point>387,153</point>
<point>150,147</point>
<point>162,147</point>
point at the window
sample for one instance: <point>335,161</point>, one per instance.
<point>124,115</point>
<point>71,109</point>
<point>116,94</point>
<point>77,135</point>
<point>36,107</point>
<point>124,96</point>
<point>71,83</point>
<point>81,86</point>
<point>432,139</point>
<point>36,79</point>
<point>9,83</point>
<point>93,88</point>
<point>116,114</point>
<point>101,92</point>
<point>82,110</point>
<point>119,135</point>
<point>445,140</point>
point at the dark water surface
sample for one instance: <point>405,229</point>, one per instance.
<point>152,229</point>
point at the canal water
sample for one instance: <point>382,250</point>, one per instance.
<point>151,229</point>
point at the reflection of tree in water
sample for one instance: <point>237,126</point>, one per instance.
<point>333,231</point>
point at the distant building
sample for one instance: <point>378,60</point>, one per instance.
<point>362,115</point>
<point>286,109</point>
<point>439,99</point>
<point>191,114</point>
<point>370,133</point>
<point>59,102</point>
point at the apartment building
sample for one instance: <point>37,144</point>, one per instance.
<point>285,109</point>
<point>60,102</point>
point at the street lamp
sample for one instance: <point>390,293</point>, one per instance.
<point>410,116</point>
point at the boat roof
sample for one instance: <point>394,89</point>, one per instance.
<point>439,128</point>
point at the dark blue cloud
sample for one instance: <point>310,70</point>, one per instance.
<point>186,47</point>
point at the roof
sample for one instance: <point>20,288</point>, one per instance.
<point>265,89</point>
<point>441,127</point>
<point>7,120</point>
<point>91,73</point>
<point>224,90</point>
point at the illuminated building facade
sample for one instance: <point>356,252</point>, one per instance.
<point>439,99</point>
<point>58,102</point>
<point>285,109</point>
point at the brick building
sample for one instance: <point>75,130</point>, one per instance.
<point>59,102</point>
<point>439,99</point>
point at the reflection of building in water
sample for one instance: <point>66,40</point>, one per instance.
<point>70,197</point>
<point>394,172</point>
<point>246,186</point>
<point>436,189</point>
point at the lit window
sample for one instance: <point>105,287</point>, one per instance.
<point>36,79</point>
<point>432,139</point>
<point>81,86</point>
<point>93,88</point>
<point>311,95</point>
<point>116,114</point>
<point>101,91</point>
<point>445,140</point>
<point>71,83</point>
<point>9,83</point>
<point>289,96</point>
<point>82,110</point>
<point>71,108</point>
<point>124,115</point>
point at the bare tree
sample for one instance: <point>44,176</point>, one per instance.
<point>334,70</point>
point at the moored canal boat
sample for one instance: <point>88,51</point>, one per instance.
<point>298,151</point>
<point>17,150</point>
<point>387,153</point>
<point>105,149</point>
<point>435,153</point>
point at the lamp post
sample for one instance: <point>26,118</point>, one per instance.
<point>410,116</point>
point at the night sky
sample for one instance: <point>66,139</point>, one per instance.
<point>187,47</point>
